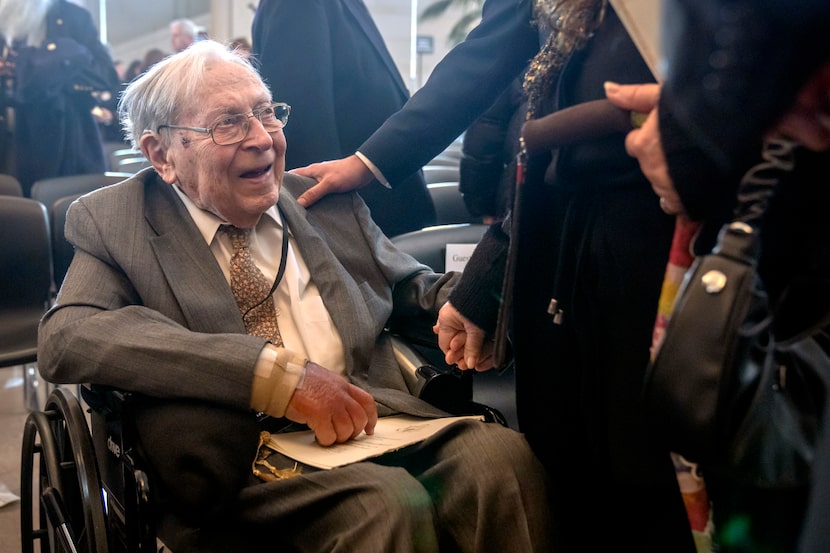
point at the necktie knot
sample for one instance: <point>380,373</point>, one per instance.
<point>240,237</point>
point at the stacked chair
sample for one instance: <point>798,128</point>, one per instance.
<point>10,186</point>
<point>25,286</point>
<point>31,240</point>
<point>56,194</point>
<point>429,246</point>
<point>442,176</point>
<point>48,191</point>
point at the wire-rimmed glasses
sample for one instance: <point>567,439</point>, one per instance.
<point>231,129</point>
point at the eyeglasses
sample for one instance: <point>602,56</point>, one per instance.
<point>231,129</point>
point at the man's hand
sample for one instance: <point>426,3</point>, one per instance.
<point>340,175</point>
<point>334,409</point>
<point>463,343</point>
<point>644,143</point>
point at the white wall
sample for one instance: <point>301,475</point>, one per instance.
<point>229,19</point>
<point>156,38</point>
<point>393,18</point>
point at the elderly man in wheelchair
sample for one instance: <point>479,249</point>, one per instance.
<point>158,303</point>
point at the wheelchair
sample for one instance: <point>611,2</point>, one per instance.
<point>83,486</point>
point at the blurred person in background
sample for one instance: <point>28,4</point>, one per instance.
<point>342,84</point>
<point>55,65</point>
<point>183,33</point>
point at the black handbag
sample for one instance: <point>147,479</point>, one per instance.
<point>723,391</point>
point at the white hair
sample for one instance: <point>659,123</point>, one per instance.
<point>24,20</point>
<point>168,88</point>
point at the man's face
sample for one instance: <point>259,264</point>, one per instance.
<point>179,38</point>
<point>237,182</point>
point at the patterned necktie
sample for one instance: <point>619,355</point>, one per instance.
<point>251,289</point>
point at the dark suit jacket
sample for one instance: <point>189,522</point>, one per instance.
<point>55,132</point>
<point>466,82</point>
<point>327,59</point>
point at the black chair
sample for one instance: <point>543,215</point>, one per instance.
<point>441,173</point>
<point>10,186</point>
<point>112,150</point>
<point>451,156</point>
<point>62,251</point>
<point>25,285</point>
<point>445,159</point>
<point>114,157</point>
<point>449,204</point>
<point>85,488</point>
<point>133,164</point>
<point>429,245</point>
<point>47,191</point>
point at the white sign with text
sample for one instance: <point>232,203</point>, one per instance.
<point>457,256</point>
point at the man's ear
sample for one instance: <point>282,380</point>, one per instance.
<point>156,154</point>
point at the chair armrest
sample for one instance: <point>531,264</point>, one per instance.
<point>445,387</point>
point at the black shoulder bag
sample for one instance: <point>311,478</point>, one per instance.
<point>723,391</point>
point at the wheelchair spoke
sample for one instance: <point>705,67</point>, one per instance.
<point>59,467</point>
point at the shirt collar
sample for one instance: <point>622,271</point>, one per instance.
<point>208,223</point>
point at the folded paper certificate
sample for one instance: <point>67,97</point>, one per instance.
<point>391,433</point>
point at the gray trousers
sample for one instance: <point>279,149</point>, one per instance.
<point>473,487</point>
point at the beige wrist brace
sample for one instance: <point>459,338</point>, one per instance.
<point>273,387</point>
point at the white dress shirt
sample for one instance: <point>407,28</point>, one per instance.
<point>305,324</point>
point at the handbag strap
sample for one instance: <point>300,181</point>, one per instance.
<point>760,182</point>
<point>756,188</point>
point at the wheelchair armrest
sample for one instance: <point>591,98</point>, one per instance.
<point>105,400</point>
<point>425,380</point>
<point>445,387</point>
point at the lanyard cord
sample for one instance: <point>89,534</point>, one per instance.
<point>281,270</point>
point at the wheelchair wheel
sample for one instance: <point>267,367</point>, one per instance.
<point>59,481</point>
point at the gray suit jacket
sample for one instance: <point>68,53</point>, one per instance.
<point>145,307</point>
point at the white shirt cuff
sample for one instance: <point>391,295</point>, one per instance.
<point>373,168</point>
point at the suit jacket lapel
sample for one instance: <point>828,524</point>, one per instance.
<point>194,276</point>
<point>188,264</point>
<point>338,290</point>
<point>364,19</point>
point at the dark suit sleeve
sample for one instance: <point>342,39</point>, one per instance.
<point>478,295</point>
<point>101,72</point>
<point>71,22</point>
<point>293,44</point>
<point>466,82</point>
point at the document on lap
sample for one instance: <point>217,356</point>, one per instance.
<point>391,433</point>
